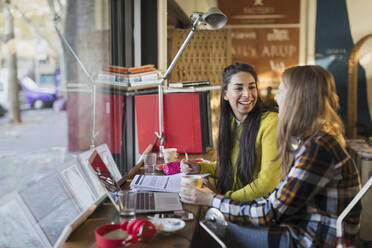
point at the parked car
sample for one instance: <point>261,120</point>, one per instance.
<point>36,96</point>
<point>29,94</point>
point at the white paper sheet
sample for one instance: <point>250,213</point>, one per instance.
<point>157,183</point>
<point>78,186</point>
<point>171,183</point>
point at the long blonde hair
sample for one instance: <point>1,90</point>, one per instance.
<point>309,106</point>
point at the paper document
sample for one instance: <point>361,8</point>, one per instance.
<point>170,183</point>
<point>157,183</point>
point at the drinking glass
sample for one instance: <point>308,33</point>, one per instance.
<point>127,201</point>
<point>149,161</point>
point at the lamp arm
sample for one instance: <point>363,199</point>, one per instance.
<point>160,135</point>
<point>74,54</point>
<point>180,51</point>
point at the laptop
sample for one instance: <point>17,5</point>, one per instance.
<point>147,202</point>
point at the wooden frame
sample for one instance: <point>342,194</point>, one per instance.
<point>352,88</point>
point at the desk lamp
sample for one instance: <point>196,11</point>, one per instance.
<point>213,19</point>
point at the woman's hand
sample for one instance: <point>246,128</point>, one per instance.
<point>196,195</point>
<point>189,167</point>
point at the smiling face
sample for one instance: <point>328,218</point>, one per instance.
<point>242,94</point>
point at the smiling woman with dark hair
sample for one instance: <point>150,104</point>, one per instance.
<point>246,145</point>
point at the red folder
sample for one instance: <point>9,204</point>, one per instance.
<point>182,121</point>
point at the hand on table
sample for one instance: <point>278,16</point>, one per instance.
<point>196,195</point>
<point>189,167</point>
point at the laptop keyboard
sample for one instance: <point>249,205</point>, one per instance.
<point>145,201</point>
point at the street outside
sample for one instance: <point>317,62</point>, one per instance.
<point>40,129</point>
<point>31,149</point>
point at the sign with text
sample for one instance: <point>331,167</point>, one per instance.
<point>269,50</point>
<point>261,11</point>
<point>265,33</point>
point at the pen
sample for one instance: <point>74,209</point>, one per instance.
<point>186,155</point>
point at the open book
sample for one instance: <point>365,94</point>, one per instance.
<point>44,213</point>
<point>104,175</point>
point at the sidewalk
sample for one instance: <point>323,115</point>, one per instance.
<point>31,149</point>
<point>40,129</point>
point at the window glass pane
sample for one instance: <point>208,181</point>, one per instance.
<point>59,48</point>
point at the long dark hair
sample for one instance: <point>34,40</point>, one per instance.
<point>246,161</point>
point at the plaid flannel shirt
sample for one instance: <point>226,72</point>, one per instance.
<point>321,183</point>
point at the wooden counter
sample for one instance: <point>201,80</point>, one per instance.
<point>105,213</point>
<point>83,236</point>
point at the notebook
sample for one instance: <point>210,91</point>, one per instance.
<point>147,202</point>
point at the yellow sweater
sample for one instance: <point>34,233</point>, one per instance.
<point>266,175</point>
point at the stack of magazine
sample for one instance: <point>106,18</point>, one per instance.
<point>128,77</point>
<point>45,212</point>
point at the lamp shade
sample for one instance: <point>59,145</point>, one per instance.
<point>213,19</point>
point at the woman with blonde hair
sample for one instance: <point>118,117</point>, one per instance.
<point>319,177</point>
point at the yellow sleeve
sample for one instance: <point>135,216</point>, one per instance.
<point>269,174</point>
<point>207,167</point>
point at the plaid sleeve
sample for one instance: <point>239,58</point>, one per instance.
<point>310,173</point>
<point>250,212</point>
